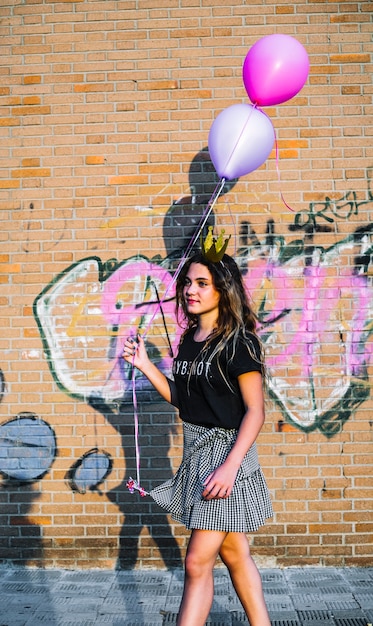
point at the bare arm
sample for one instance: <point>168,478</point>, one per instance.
<point>134,352</point>
<point>220,482</point>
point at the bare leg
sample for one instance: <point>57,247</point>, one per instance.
<point>198,594</point>
<point>235,553</point>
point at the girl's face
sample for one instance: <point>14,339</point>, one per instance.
<point>199,292</point>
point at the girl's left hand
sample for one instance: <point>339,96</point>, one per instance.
<point>219,483</point>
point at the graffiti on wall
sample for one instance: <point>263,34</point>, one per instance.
<point>28,447</point>
<point>313,306</point>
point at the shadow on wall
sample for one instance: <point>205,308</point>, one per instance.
<point>28,449</point>
<point>140,513</point>
<point>29,443</point>
<point>180,225</point>
<point>24,546</point>
<point>184,216</point>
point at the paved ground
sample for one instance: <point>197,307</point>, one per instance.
<point>295,597</point>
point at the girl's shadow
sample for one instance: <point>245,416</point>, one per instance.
<point>141,512</point>
<point>156,426</point>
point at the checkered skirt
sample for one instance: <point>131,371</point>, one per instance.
<point>249,504</point>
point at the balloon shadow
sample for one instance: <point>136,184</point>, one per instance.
<point>185,214</point>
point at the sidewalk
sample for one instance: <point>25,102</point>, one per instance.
<point>295,597</point>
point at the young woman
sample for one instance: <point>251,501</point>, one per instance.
<point>219,491</point>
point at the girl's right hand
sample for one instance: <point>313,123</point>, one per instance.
<point>134,351</point>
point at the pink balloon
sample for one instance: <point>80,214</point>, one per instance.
<point>275,69</point>
<point>240,140</point>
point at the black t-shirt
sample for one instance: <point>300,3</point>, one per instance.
<point>207,384</point>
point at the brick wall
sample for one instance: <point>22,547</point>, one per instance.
<point>106,108</point>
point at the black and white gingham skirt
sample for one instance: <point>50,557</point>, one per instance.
<point>249,504</point>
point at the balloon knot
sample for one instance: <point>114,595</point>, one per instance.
<point>133,485</point>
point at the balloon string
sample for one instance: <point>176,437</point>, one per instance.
<point>210,205</point>
<point>279,175</point>
<point>277,159</point>
<point>131,483</point>
<point>135,484</point>
<point>234,229</point>
<point>170,350</point>
<point>206,214</point>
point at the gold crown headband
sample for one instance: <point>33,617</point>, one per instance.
<point>214,249</point>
